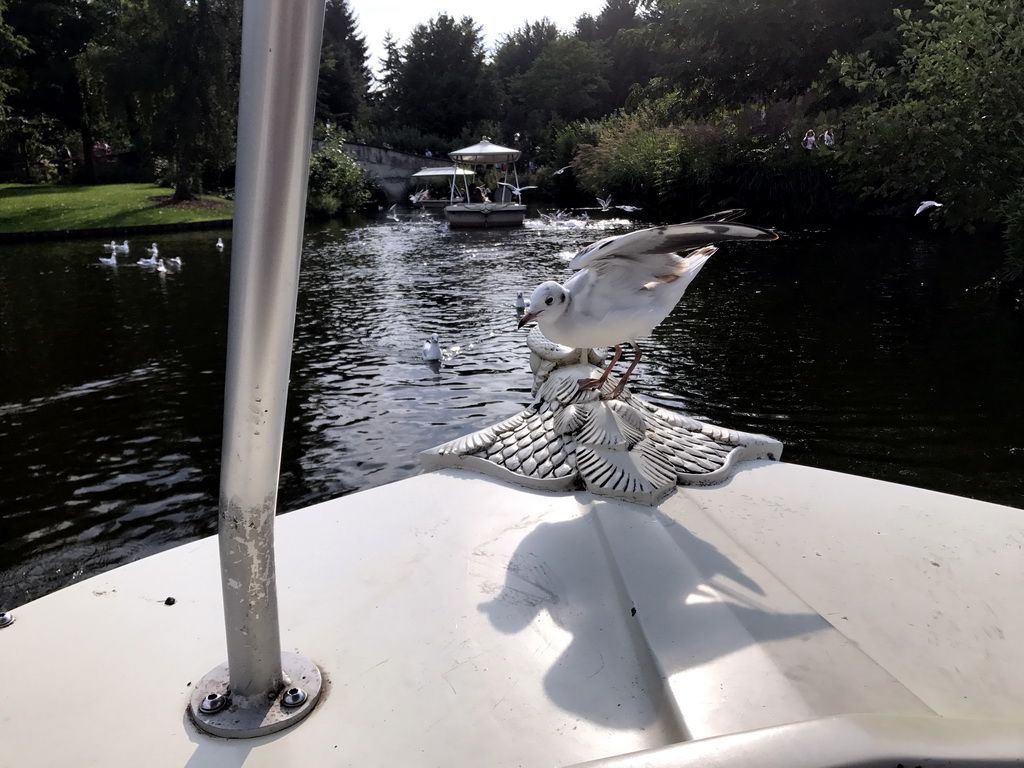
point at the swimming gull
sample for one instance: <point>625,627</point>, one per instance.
<point>431,348</point>
<point>219,244</point>
<point>521,301</point>
<point>627,284</point>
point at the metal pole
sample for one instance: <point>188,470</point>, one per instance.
<point>281,54</point>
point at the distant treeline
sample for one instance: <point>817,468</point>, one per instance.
<point>677,106</point>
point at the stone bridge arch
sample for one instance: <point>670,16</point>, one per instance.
<point>392,168</point>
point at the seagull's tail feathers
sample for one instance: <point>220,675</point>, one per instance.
<point>684,270</point>
<point>693,263</point>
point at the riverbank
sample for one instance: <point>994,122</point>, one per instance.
<point>47,212</point>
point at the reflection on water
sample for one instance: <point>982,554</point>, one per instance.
<point>882,353</point>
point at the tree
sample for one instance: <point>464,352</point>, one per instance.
<point>12,47</point>
<point>734,53</point>
<point>345,77</point>
<point>386,97</point>
<point>170,71</point>
<point>631,62</point>
<point>514,56</point>
<point>948,120</point>
<point>567,82</point>
<point>443,85</point>
<point>45,93</point>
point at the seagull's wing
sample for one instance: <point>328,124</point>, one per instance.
<point>926,205</point>
<point>532,186</point>
<point>506,184</point>
<point>665,240</point>
<point>628,285</point>
<point>728,215</point>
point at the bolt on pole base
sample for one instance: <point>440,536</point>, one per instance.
<point>214,711</point>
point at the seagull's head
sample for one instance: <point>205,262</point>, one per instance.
<point>433,338</point>
<point>547,302</point>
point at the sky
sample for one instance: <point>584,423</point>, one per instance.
<point>376,17</point>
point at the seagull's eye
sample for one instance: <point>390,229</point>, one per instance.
<point>549,300</point>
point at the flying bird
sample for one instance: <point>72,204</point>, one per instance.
<point>561,170</point>
<point>626,285</point>
<point>517,191</point>
<point>431,348</point>
<point>926,205</point>
<point>629,208</point>
<point>605,203</point>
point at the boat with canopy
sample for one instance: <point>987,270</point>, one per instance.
<point>477,210</point>
<point>598,582</point>
<point>424,197</point>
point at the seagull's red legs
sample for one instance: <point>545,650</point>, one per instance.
<point>597,383</point>
<point>622,382</point>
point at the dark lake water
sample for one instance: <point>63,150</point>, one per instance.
<point>882,352</point>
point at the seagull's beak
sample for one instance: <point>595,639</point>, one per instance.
<point>527,318</point>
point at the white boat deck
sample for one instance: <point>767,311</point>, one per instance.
<point>459,620</point>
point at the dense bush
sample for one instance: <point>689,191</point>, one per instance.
<point>1013,215</point>
<point>675,171</point>
<point>337,184</point>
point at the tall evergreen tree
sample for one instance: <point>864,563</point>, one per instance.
<point>345,76</point>
<point>386,97</point>
<point>443,83</point>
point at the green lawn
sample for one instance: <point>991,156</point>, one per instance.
<point>43,208</point>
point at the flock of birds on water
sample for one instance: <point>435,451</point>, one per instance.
<point>152,259</point>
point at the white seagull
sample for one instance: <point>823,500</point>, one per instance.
<point>150,261</point>
<point>521,301</point>
<point>152,250</point>
<point>110,246</point>
<point>391,212</point>
<point>517,191</point>
<point>629,208</point>
<point>219,245</point>
<point>123,248</point>
<point>111,259</point>
<point>926,205</point>
<point>431,348</point>
<point>561,170</point>
<point>605,203</point>
<point>628,284</point>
